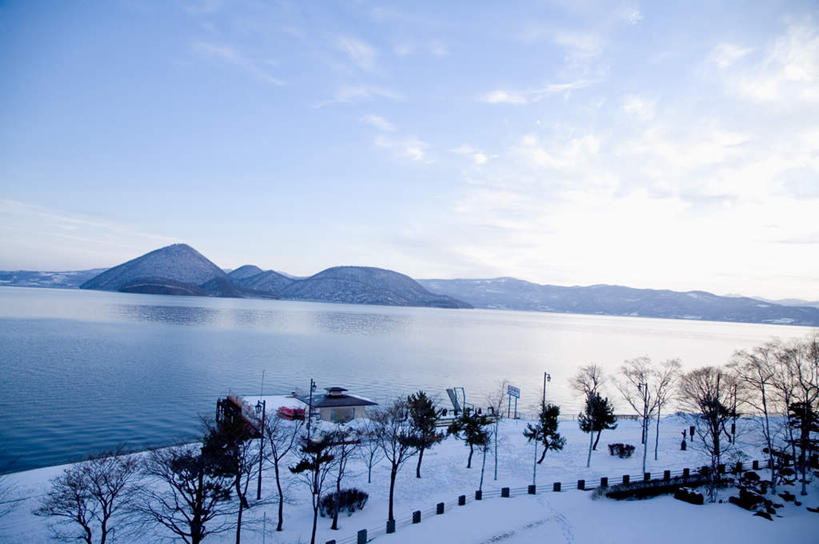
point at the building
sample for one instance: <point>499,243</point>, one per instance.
<point>338,407</point>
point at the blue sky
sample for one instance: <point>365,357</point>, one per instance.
<point>664,145</point>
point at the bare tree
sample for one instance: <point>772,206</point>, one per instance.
<point>370,451</point>
<point>707,393</point>
<point>637,388</point>
<point>233,454</point>
<point>801,362</point>
<point>90,498</point>
<point>664,389</point>
<point>344,446</point>
<point>394,432</point>
<point>282,435</point>
<point>187,497</point>
<point>314,466</point>
<point>756,372</point>
<point>588,381</point>
<point>495,404</point>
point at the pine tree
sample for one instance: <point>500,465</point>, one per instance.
<point>597,416</point>
<point>545,431</point>
<point>471,428</point>
<point>423,419</point>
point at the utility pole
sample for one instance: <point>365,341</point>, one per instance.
<point>310,407</point>
<point>546,378</point>
<point>261,452</point>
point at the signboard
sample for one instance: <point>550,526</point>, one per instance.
<point>513,391</point>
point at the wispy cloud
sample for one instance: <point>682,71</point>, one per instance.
<point>477,156</point>
<point>378,122</point>
<point>360,93</point>
<point>501,96</point>
<point>359,52</point>
<point>413,149</point>
<point>41,236</point>
<point>231,55</point>
<point>639,107</point>
<point>726,54</point>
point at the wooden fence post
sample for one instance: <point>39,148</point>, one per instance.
<point>439,508</point>
<point>556,486</point>
<point>604,482</point>
<point>504,492</point>
<point>581,485</point>
<point>390,526</point>
<point>416,516</point>
<point>362,536</point>
<point>461,500</point>
<point>626,479</point>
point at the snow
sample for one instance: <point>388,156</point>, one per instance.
<point>568,516</point>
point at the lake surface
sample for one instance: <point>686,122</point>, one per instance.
<point>84,371</point>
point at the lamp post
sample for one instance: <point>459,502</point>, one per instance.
<point>310,407</point>
<point>546,378</point>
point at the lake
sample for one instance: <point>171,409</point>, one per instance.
<point>84,371</point>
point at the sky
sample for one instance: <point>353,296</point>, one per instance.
<point>670,145</point>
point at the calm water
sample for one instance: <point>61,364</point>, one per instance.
<point>83,371</point>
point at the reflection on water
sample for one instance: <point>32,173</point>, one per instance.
<point>360,323</point>
<point>83,371</point>
<point>177,315</point>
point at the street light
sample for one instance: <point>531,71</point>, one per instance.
<point>546,378</point>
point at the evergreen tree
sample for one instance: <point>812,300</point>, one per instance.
<point>598,416</point>
<point>545,431</point>
<point>314,466</point>
<point>423,419</point>
<point>471,428</point>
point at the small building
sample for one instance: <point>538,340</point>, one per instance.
<point>339,407</point>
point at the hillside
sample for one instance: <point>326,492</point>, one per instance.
<point>514,294</point>
<point>178,263</point>
<point>268,281</point>
<point>61,280</point>
<point>367,285</point>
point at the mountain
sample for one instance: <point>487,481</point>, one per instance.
<point>179,263</point>
<point>245,271</point>
<point>514,294</point>
<point>31,278</point>
<point>268,281</point>
<point>366,285</point>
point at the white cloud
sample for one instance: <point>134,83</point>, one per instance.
<point>378,122</point>
<point>39,237</point>
<point>477,157</point>
<point>232,56</point>
<point>501,96</point>
<point>726,54</point>
<point>360,93</point>
<point>631,15</point>
<point>788,72</point>
<point>639,107</point>
<point>413,149</point>
<point>358,51</point>
<point>582,45</point>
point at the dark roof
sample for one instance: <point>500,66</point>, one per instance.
<point>336,400</point>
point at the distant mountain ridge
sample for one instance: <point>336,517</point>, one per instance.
<point>514,294</point>
<point>181,270</point>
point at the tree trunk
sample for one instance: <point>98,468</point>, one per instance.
<point>418,466</point>
<point>315,521</point>
<point>393,474</point>
<point>469,461</point>
<point>496,450</point>
<point>483,468</point>
<point>597,439</point>
<point>542,455</point>
<point>768,439</point>
<point>334,526</point>
<point>657,435</point>
<point>281,495</point>
<point>588,459</point>
<point>239,523</point>
<point>370,469</point>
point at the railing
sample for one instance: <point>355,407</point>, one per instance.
<point>366,535</point>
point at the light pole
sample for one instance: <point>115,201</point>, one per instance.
<point>310,407</point>
<point>546,378</point>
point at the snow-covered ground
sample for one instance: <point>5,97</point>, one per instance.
<point>569,516</point>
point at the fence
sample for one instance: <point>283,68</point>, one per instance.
<point>365,535</point>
